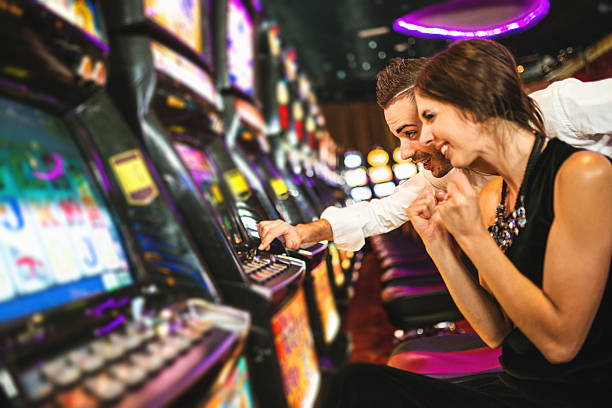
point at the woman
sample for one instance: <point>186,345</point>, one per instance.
<point>539,238</point>
<point>574,111</point>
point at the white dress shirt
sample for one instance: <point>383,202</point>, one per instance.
<point>579,113</point>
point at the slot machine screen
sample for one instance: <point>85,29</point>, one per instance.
<point>240,47</point>
<point>235,392</point>
<point>184,71</point>
<point>183,18</point>
<point>81,13</point>
<point>330,319</point>
<point>204,176</point>
<point>58,242</point>
<point>295,350</point>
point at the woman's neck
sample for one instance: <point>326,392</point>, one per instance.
<point>508,160</point>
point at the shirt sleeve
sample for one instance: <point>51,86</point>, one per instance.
<point>578,113</point>
<point>353,224</point>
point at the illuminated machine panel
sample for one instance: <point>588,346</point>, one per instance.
<point>235,391</point>
<point>337,264</point>
<point>330,318</point>
<point>356,177</point>
<point>184,71</point>
<point>295,350</point>
<point>181,18</point>
<point>81,13</point>
<point>380,174</point>
<point>404,170</point>
<point>384,189</point>
<point>241,48</point>
<point>58,242</point>
<point>206,179</point>
<point>362,193</point>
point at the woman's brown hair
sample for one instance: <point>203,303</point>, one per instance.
<point>479,77</point>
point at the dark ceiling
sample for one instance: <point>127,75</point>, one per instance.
<point>342,66</point>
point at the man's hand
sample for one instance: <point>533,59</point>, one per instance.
<point>269,230</point>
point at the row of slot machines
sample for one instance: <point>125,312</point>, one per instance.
<point>376,178</point>
<point>138,152</point>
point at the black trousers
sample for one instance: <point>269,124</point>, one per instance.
<point>372,385</point>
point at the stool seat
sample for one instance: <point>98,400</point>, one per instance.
<point>391,276</point>
<point>420,304</point>
<point>448,356</point>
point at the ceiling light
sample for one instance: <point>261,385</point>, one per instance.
<point>401,47</point>
<point>372,32</point>
<point>472,18</point>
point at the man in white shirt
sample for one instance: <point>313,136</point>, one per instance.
<point>579,113</point>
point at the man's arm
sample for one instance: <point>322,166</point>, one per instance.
<point>578,113</point>
<point>348,227</point>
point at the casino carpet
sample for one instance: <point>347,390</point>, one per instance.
<point>365,320</point>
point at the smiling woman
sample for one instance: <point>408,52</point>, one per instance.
<point>515,281</point>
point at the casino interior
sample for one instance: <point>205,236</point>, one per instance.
<point>141,143</point>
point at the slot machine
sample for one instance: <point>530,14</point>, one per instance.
<point>249,149</point>
<point>162,79</point>
<point>92,313</point>
<point>380,173</point>
<point>278,78</point>
<point>402,169</point>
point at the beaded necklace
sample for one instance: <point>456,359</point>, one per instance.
<point>507,228</point>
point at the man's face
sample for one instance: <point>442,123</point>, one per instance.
<point>403,120</point>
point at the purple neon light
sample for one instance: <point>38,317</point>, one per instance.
<point>413,23</point>
<point>118,321</point>
<point>100,165</point>
<point>56,172</point>
<point>110,303</point>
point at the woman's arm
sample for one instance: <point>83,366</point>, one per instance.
<point>476,304</point>
<point>557,317</point>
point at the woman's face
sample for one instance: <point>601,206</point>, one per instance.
<point>445,127</point>
<point>403,121</point>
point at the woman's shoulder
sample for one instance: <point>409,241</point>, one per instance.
<point>489,199</point>
<point>584,174</point>
<point>586,166</point>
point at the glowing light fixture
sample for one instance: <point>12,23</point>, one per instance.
<point>361,193</point>
<point>356,177</point>
<point>384,189</point>
<point>380,174</point>
<point>404,170</point>
<point>472,18</point>
<point>352,160</point>
<point>397,156</point>
<point>378,157</point>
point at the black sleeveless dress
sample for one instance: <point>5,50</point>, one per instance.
<point>528,379</point>
<point>592,367</point>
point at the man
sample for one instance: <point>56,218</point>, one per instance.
<point>576,112</point>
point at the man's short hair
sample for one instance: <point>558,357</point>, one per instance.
<point>398,78</point>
